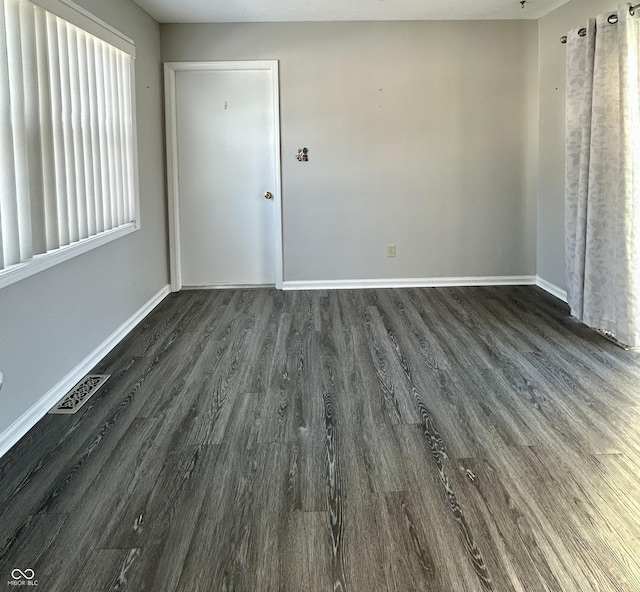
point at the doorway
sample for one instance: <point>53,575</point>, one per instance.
<point>223,163</point>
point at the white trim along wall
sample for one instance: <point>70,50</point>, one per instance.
<point>552,289</point>
<point>513,280</point>
<point>520,280</point>
<point>35,413</point>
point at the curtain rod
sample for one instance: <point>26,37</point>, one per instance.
<point>612,19</point>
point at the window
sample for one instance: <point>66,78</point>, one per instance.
<point>68,155</point>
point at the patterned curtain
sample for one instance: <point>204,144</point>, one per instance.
<point>602,201</point>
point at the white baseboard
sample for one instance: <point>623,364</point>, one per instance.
<point>227,287</point>
<point>514,280</point>
<point>552,289</point>
<point>29,418</point>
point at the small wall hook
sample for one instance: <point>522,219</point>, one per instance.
<point>302,155</point>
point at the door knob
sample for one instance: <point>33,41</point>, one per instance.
<point>268,195</point>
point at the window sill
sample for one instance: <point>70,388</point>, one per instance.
<point>39,263</point>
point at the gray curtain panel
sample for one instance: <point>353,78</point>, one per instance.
<point>602,191</point>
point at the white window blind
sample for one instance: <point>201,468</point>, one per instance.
<point>67,137</point>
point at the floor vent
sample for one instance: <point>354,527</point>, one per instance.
<point>80,393</point>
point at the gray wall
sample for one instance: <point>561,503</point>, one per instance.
<point>51,321</point>
<point>422,134</point>
<point>552,131</point>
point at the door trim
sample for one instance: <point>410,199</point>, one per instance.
<point>170,69</point>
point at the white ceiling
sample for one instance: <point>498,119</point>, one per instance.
<point>193,11</point>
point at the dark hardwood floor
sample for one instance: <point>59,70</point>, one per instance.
<point>447,440</point>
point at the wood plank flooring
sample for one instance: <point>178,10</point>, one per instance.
<point>445,440</point>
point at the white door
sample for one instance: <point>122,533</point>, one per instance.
<point>223,143</point>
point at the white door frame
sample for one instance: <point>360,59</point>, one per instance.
<point>170,69</point>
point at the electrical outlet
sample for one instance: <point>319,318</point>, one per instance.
<point>391,250</point>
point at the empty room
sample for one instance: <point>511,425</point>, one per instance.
<point>323,297</point>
